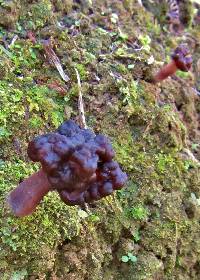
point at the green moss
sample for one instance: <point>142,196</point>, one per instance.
<point>153,218</point>
<point>65,5</point>
<point>38,234</point>
<point>82,71</point>
<point>9,13</point>
<point>138,212</point>
<point>38,14</point>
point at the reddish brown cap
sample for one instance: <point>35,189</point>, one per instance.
<point>182,58</point>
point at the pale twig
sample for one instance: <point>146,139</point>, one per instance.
<point>86,208</point>
<point>191,156</point>
<point>54,59</point>
<point>140,3</point>
<point>174,255</point>
<point>13,41</point>
<point>147,128</point>
<point>80,102</point>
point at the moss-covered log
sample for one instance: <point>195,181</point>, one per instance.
<point>150,229</point>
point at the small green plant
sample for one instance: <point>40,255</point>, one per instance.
<point>129,258</point>
<point>164,161</point>
<point>4,133</point>
<point>19,275</point>
<point>145,41</point>
<point>190,164</point>
<point>136,236</point>
<point>82,71</point>
<point>195,146</point>
<point>138,213</point>
<point>130,93</point>
<point>94,218</point>
<point>183,75</point>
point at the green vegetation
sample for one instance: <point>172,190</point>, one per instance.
<point>148,230</point>
<point>129,257</point>
<point>138,212</point>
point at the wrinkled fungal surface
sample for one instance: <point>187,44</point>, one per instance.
<point>182,58</point>
<point>78,163</point>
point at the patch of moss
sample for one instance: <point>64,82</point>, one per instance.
<point>153,217</point>
<point>37,15</point>
<point>38,235</point>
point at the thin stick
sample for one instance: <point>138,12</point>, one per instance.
<point>54,59</point>
<point>140,3</point>
<point>13,41</point>
<point>80,102</point>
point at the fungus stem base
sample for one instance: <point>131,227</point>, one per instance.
<point>165,71</point>
<point>27,195</point>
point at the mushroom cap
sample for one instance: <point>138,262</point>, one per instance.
<point>78,164</point>
<point>182,58</point>
<point>173,18</point>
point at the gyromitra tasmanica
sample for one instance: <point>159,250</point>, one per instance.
<point>75,162</point>
<point>180,60</point>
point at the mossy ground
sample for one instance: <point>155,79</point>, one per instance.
<point>116,46</point>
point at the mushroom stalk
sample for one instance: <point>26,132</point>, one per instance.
<point>24,199</point>
<point>180,60</point>
<point>166,71</point>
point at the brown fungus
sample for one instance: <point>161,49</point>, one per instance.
<point>180,60</point>
<point>75,162</point>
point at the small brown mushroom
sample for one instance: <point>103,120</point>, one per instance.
<point>180,60</point>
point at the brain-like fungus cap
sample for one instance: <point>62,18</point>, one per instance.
<point>75,162</point>
<point>182,58</point>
